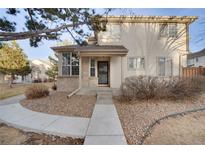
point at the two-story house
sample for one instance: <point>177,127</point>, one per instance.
<point>130,46</point>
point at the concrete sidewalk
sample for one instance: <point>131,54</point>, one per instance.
<point>12,100</point>
<point>105,127</point>
<point>15,115</point>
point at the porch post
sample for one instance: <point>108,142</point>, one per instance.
<point>80,71</point>
<point>122,71</point>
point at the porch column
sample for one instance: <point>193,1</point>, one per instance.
<point>80,71</point>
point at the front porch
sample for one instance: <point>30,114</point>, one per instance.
<point>99,66</point>
<point>90,66</point>
<point>94,72</point>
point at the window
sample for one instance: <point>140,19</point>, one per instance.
<point>112,33</point>
<point>190,62</point>
<point>197,59</point>
<point>163,30</point>
<point>164,66</point>
<point>168,30</point>
<point>92,67</point>
<point>172,30</point>
<point>161,66</point>
<point>70,64</point>
<point>136,63</point>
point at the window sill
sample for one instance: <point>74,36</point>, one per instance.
<point>68,76</point>
<point>93,77</point>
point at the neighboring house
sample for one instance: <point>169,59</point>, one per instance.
<point>130,46</point>
<point>196,59</point>
<point>39,68</point>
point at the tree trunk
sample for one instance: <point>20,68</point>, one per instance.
<point>22,78</point>
<point>11,81</point>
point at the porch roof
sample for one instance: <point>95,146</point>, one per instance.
<point>93,50</point>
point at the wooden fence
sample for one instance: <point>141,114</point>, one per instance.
<point>193,71</point>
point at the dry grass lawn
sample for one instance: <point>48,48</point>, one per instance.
<point>137,115</point>
<point>57,103</point>
<point>187,129</point>
<point>13,136</point>
<point>6,91</point>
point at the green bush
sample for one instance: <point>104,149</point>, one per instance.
<point>37,91</point>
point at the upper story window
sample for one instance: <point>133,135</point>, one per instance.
<point>70,64</point>
<point>168,30</point>
<point>136,63</point>
<point>112,33</point>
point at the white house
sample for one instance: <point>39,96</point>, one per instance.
<point>130,46</point>
<point>196,59</point>
<point>39,68</point>
<point>38,73</point>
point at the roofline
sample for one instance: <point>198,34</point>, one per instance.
<point>149,19</point>
<point>196,54</point>
<point>81,49</point>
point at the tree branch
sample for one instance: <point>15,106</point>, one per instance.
<point>8,36</point>
<point>31,17</point>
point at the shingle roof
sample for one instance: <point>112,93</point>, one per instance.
<point>196,54</point>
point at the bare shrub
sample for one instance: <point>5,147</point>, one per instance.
<point>147,87</point>
<point>37,91</point>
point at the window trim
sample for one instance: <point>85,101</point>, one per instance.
<point>69,65</point>
<point>167,58</point>
<point>92,67</point>
<point>136,57</point>
<point>168,30</point>
<point>158,57</point>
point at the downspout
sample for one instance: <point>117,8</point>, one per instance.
<point>80,70</point>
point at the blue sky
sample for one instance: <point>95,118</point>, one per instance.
<point>196,28</point>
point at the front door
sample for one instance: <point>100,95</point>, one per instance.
<point>103,72</point>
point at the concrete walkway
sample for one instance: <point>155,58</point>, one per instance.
<point>104,127</point>
<point>13,114</point>
<point>12,100</point>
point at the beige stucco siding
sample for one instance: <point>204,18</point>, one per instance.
<point>68,84</point>
<point>142,40</point>
<point>115,72</point>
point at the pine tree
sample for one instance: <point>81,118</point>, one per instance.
<point>13,61</point>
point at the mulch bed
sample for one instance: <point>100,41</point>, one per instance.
<point>183,129</point>
<point>57,103</point>
<point>13,136</point>
<point>136,116</point>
